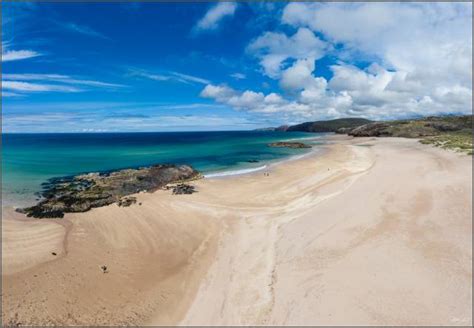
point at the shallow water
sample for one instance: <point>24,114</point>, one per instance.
<point>28,160</point>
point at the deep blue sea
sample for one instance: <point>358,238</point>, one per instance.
<point>28,160</point>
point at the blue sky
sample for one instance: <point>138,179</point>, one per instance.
<point>229,66</point>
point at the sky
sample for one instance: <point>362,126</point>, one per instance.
<point>109,67</point>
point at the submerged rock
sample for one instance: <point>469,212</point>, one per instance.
<point>83,192</point>
<point>289,144</point>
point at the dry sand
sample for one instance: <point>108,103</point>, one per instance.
<point>372,232</point>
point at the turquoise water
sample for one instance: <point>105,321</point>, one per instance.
<point>28,160</point>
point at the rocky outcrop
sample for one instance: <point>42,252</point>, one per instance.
<point>127,201</point>
<point>377,129</point>
<point>83,192</point>
<point>183,189</point>
<point>415,128</point>
<point>343,130</point>
<point>288,144</point>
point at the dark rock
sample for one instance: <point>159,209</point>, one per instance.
<point>344,130</point>
<point>443,126</point>
<point>53,253</point>
<point>183,189</point>
<point>289,144</point>
<point>83,192</point>
<point>127,201</point>
<point>377,129</point>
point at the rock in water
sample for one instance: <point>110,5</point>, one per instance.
<point>288,144</point>
<point>83,192</point>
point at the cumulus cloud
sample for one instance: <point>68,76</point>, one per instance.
<point>274,48</point>
<point>409,36</point>
<point>220,93</point>
<point>419,55</point>
<point>215,15</point>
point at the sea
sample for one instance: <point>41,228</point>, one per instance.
<point>30,160</point>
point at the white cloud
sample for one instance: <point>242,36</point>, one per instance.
<point>33,87</point>
<point>420,57</point>
<point>220,93</point>
<point>190,78</point>
<point>248,99</point>
<point>274,48</point>
<point>118,117</point>
<point>214,16</point>
<point>15,17</point>
<point>169,76</point>
<point>58,78</point>
<point>238,76</point>
<point>82,29</point>
<point>10,55</point>
<point>300,76</point>
<point>22,84</point>
<point>408,36</point>
<point>10,94</point>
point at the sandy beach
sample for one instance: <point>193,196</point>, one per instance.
<point>368,232</point>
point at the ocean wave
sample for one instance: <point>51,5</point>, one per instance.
<point>234,172</point>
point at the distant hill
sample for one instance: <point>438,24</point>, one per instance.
<point>280,128</point>
<point>415,128</point>
<point>329,126</point>
<point>451,132</point>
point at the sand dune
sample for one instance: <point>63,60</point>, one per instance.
<point>372,232</point>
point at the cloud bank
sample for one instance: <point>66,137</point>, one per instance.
<point>392,60</point>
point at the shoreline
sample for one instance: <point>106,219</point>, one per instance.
<point>246,252</point>
<point>231,171</point>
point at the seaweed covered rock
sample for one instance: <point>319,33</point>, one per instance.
<point>183,189</point>
<point>288,144</point>
<point>83,192</point>
<point>126,201</point>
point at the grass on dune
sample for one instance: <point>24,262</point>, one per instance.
<point>460,141</point>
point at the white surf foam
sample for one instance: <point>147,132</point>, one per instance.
<point>234,172</point>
